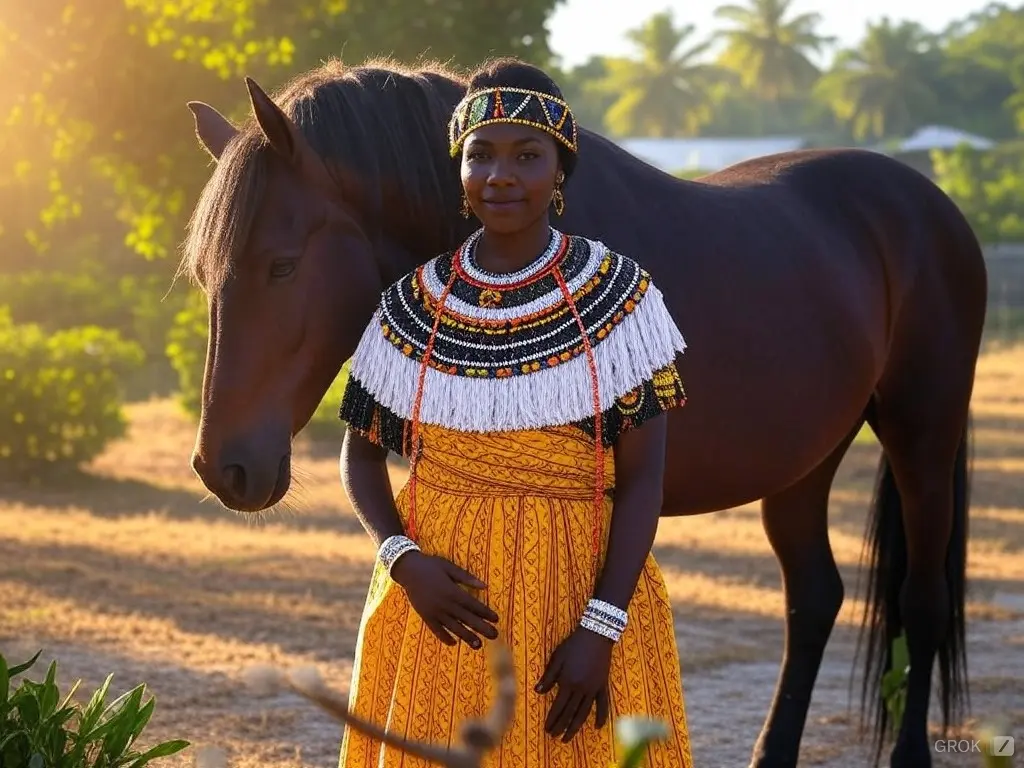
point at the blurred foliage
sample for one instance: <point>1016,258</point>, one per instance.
<point>988,186</point>
<point>60,403</point>
<point>186,350</point>
<point>634,735</point>
<point>669,88</point>
<point>89,143</point>
<point>900,77</point>
<point>137,306</point>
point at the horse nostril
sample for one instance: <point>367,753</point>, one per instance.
<point>234,480</point>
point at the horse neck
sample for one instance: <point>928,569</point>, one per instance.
<point>409,238</point>
<point>615,196</point>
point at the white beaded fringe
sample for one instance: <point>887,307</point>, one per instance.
<point>645,341</point>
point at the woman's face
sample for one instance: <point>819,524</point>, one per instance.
<point>509,173</point>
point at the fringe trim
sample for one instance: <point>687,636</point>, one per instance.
<point>644,342</point>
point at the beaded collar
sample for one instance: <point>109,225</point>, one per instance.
<point>470,271</point>
<point>516,331</point>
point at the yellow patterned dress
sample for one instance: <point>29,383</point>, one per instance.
<point>505,488</point>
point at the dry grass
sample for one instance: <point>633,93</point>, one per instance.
<point>128,571</point>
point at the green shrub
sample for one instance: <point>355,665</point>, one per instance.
<point>41,729</point>
<point>60,403</point>
<point>134,306</point>
<point>186,349</point>
<point>138,307</point>
<point>988,186</point>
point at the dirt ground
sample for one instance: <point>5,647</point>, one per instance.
<point>127,571</point>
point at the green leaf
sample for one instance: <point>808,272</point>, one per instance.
<point>49,694</point>
<point>900,654</point>
<point>9,738</point>
<point>122,722</point>
<point>17,670</point>
<point>160,750</point>
<point>93,710</point>
<point>142,718</point>
<point>28,709</point>
<point>74,689</point>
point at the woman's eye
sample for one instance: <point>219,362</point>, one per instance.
<point>528,155</point>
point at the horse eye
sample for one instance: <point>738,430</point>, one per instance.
<point>282,268</point>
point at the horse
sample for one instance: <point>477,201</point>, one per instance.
<point>818,290</point>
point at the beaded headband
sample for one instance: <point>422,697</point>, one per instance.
<point>519,106</point>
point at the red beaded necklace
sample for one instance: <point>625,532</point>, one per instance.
<point>552,268</point>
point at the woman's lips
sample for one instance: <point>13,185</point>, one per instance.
<point>503,205</point>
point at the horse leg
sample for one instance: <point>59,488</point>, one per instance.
<point>796,522</point>
<point>920,543</point>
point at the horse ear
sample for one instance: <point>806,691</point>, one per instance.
<point>277,127</point>
<point>213,130</point>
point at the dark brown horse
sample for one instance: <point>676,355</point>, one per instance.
<point>817,290</point>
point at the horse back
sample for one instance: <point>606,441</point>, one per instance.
<point>786,275</point>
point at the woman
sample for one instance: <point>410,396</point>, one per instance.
<point>477,368</point>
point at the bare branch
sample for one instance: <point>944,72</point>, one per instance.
<point>477,737</point>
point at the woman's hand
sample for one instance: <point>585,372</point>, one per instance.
<point>432,584</point>
<point>579,666</point>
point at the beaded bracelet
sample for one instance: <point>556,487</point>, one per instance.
<point>392,548</point>
<point>606,612</point>
<point>600,628</point>
<point>604,619</point>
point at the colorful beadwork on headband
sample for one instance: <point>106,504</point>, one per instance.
<point>519,106</point>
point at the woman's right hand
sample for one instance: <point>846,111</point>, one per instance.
<point>433,586</point>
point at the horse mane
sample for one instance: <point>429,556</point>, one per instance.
<point>381,122</point>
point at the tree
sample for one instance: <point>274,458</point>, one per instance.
<point>981,82</point>
<point>988,187</point>
<point>460,32</point>
<point>666,91</point>
<point>769,51</point>
<point>582,88</point>
<point>96,119</point>
<point>885,87</point>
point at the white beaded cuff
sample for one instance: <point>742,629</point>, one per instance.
<point>604,619</point>
<point>392,548</point>
<point>607,613</point>
<point>601,628</point>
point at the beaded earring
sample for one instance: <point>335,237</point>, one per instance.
<point>465,210</point>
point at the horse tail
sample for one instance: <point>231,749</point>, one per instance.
<point>887,569</point>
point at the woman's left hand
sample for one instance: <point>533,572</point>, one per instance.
<point>579,666</point>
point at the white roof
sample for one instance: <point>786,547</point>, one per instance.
<point>938,137</point>
<point>706,153</point>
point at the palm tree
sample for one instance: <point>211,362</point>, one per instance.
<point>666,91</point>
<point>884,86</point>
<point>769,51</point>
